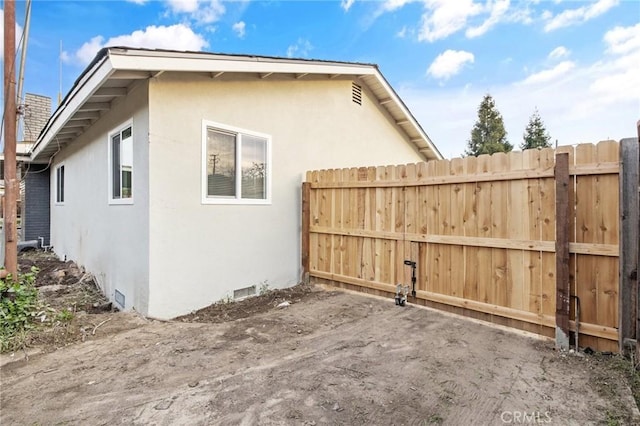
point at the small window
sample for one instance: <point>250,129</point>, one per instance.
<point>236,166</point>
<point>60,184</point>
<point>121,165</point>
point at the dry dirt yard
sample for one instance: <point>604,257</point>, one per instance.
<point>329,358</point>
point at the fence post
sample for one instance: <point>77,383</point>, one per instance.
<point>306,223</point>
<point>629,235</point>
<point>562,250</point>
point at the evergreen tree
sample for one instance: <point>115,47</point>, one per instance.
<point>488,134</point>
<point>535,135</point>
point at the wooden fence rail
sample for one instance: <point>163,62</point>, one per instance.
<point>482,231</point>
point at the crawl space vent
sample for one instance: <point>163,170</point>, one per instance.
<point>119,299</point>
<point>356,93</point>
<point>244,292</point>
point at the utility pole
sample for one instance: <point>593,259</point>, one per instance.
<point>10,181</point>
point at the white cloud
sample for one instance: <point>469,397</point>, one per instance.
<point>498,8</point>
<point>346,4</point>
<point>577,16</point>
<point>550,74</point>
<point>402,33</point>
<point>18,34</point>
<point>301,48</point>
<point>559,52</point>
<point>140,2</point>
<point>449,63</point>
<point>391,5</point>
<point>444,17</point>
<point>183,6</point>
<point>623,39</point>
<point>201,11</point>
<point>617,76</point>
<point>239,28</point>
<point>174,37</point>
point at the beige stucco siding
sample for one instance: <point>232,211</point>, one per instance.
<point>201,253</point>
<point>111,241</point>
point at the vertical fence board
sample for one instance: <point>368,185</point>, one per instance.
<point>607,233</point>
<point>563,213</point>
<point>456,253</point>
<point>586,211</point>
<point>433,282</point>
<point>313,238</point>
<point>484,230</point>
<point>547,226</point>
<point>500,293</point>
<point>354,245</point>
<point>444,228</point>
<point>629,238</point>
<point>306,222</point>
<point>533,260</point>
<point>470,229</point>
<point>517,224</point>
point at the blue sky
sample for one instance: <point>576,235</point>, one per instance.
<point>577,62</point>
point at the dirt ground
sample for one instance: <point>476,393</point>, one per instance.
<point>328,358</point>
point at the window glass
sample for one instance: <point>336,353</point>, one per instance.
<point>60,184</point>
<point>122,164</point>
<point>126,166</point>
<point>115,165</point>
<point>221,164</point>
<point>254,167</point>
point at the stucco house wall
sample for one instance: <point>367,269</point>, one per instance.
<point>111,241</point>
<point>173,249</point>
<point>200,253</point>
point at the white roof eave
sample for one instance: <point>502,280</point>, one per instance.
<point>410,119</point>
<point>152,63</point>
<point>85,88</point>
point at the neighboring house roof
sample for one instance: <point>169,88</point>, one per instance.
<point>115,69</point>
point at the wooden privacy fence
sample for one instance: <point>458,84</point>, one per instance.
<point>483,232</point>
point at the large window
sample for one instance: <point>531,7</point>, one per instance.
<point>60,184</point>
<point>236,165</point>
<point>121,165</point>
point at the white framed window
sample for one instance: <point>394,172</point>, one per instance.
<point>60,184</point>
<point>236,165</point>
<point>121,164</point>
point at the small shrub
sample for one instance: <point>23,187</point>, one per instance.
<point>19,307</point>
<point>65,316</point>
<point>264,288</point>
<point>227,299</point>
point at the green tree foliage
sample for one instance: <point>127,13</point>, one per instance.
<point>488,134</point>
<point>535,134</point>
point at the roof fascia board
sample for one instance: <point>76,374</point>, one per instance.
<point>213,64</point>
<point>411,119</point>
<point>85,89</point>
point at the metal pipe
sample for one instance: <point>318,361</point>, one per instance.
<point>23,54</point>
<point>413,276</point>
<point>577,319</point>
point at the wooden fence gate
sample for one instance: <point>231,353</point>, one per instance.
<point>486,234</point>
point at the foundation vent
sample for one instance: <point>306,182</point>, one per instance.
<point>119,299</point>
<point>244,292</point>
<point>356,93</point>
